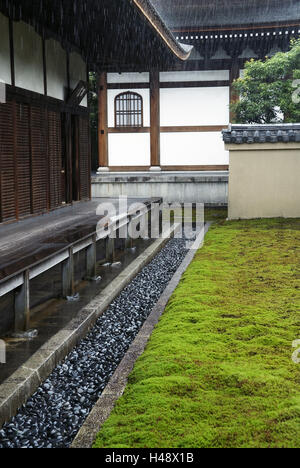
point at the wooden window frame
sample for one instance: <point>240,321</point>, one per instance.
<point>128,114</point>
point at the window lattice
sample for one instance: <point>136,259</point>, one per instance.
<point>129,110</point>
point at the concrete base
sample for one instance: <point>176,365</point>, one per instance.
<point>155,169</point>
<point>185,187</point>
<point>100,170</point>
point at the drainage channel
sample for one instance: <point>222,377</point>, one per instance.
<point>52,417</point>
<point>54,315</point>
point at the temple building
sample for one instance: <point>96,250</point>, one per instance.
<point>48,222</point>
<point>170,117</point>
<point>47,48</point>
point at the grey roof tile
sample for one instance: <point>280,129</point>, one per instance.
<point>241,134</point>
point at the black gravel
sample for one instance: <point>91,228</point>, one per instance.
<point>52,417</point>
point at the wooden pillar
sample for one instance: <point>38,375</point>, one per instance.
<point>91,261</point>
<point>22,305</point>
<point>110,249</point>
<point>68,286</point>
<point>68,75</point>
<point>155,120</point>
<point>155,221</point>
<point>45,67</point>
<point>234,74</point>
<point>128,243</point>
<point>12,52</point>
<point>102,123</point>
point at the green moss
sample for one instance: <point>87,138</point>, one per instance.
<point>217,371</point>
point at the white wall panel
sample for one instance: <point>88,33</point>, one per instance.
<point>194,106</point>
<point>129,149</point>
<point>113,78</point>
<point>182,149</point>
<point>205,75</point>
<point>56,60</point>
<point>5,71</point>
<point>112,93</point>
<point>78,71</point>
<point>28,58</point>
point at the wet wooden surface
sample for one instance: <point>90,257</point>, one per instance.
<point>24,243</point>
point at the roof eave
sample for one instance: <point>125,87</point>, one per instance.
<point>181,51</point>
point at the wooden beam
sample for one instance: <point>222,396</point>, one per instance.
<point>155,118</point>
<point>110,249</point>
<point>22,305</point>
<point>206,167</point>
<point>128,86</point>
<point>102,121</point>
<point>129,168</point>
<point>68,281</point>
<point>68,76</point>
<point>172,84</point>
<point>193,129</point>
<point>91,260</point>
<point>128,130</point>
<point>195,84</point>
<point>25,96</point>
<point>12,52</point>
<point>45,67</point>
<point>172,129</point>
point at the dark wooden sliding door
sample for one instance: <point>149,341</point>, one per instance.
<point>7,163</point>
<point>39,159</point>
<point>55,159</point>
<point>84,158</point>
<point>44,157</point>
<point>23,153</point>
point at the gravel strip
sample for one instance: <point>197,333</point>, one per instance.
<point>52,417</point>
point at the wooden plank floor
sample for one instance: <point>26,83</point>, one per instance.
<point>29,241</point>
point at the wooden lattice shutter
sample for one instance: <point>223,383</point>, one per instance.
<point>39,150</point>
<point>129,110</point>
<point>55,158</point>
<point>7,163</point>
<point>84,155</point>
<point>23,159</point>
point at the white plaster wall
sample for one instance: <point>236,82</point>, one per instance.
<point>129,149</point>
<point>28,58</point>
<point>194,106</point>
<point>206,75</point>
<point>78,71</point>
<point>56,60</point>
<point>182,149</point>
<point>5,71</point>
<point>113,78</point>
<point>112,93</point>
<point>264,181</point>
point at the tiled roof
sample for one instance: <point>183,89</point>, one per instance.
<point>241,134</point>
<point>187,14</point>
